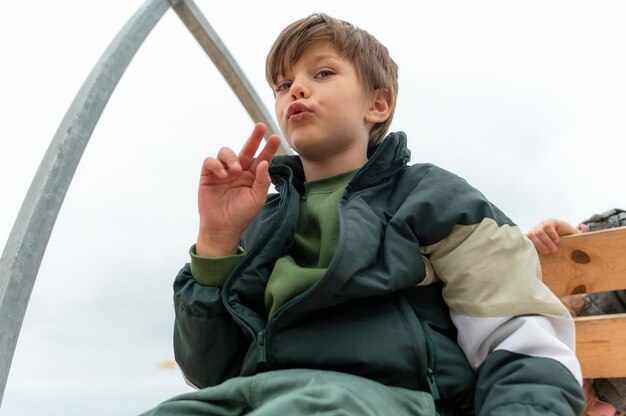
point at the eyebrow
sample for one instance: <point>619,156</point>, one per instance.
<point>318,58</point>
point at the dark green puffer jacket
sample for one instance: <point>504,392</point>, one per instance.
<point>381,310</point>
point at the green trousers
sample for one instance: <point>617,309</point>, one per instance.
<point>299,392</point>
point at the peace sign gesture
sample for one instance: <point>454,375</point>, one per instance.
<point>232,191</point>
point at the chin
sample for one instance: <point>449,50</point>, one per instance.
<point>302,144</point>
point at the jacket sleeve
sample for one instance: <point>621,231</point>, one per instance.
<point>209,345</point>
<point>515,333</point>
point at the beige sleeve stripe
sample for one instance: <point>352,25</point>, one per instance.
<point>490,270</point>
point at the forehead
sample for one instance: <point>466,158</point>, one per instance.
<point>321,51</point>
<point>318,51</point>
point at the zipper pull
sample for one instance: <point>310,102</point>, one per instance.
<point>432,384</point>
<point>261,357</point>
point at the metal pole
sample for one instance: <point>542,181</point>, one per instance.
<point>31,231</point>
<point>33,226</point>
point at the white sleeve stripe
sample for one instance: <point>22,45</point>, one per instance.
<point>532,335</point>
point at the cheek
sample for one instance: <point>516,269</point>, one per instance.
<point>279,109</point>
<point>276,108</point>
<point>279,101</point>
<point>282,123</point>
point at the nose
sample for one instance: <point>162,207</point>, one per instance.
<point>299,89</point>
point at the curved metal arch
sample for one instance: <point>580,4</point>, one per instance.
<point>33,226</point>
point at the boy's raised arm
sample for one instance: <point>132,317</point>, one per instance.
<point>231,193</point>
<point>208,344</point>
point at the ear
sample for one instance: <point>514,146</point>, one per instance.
<point>380,106</point>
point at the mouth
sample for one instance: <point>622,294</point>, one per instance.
<point>298,111</point>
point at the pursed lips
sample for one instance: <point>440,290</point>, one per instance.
<point>298,111</point>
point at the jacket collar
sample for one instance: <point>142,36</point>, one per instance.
<point>384,160</point>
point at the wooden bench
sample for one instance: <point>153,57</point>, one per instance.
<point>587,263</point>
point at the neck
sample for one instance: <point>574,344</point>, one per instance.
<point>334,165</point>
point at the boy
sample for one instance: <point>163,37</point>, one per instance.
<point>365,286</point>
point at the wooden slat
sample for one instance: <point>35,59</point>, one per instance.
<point>586,263</point>
<point>601,345</point>
<point>600,265</point>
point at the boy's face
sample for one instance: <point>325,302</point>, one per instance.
<point>321,105</point>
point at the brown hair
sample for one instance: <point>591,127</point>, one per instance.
<point>371,59</point>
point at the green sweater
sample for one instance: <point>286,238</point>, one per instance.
<point>309,255</point>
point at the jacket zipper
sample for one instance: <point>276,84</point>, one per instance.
<point>259,337</point>
<point>261,357</point>
<point>431,354</point>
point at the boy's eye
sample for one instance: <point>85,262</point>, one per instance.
<point>283,86</point>
<point>323,73</point>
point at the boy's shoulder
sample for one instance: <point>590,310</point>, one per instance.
<point>428,175</point>
<point>443,199</point>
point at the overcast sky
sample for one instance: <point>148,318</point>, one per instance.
<point>525,100</point>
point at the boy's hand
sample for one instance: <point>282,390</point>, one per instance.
<point>545,235</point>
<point>232,191</point>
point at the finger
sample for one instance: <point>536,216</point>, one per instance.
<point>539,246</point>
<point>246,155</point>
<point>212,166</point>
<point>268,152</point>
<point>552,234</point>
<point>229,159</point>
<point>547,243</point>
<point>262,180</point>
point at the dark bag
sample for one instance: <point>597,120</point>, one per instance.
<point>610,219</point>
